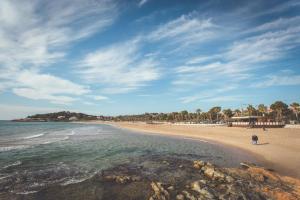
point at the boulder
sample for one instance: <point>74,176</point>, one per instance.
<point>180,197</point>
<point>198,164</point>
<point>209,172</point>
<point>196,186</point>
<point>159,192</point>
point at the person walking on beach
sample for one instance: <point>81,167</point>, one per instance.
<point>254,139</point>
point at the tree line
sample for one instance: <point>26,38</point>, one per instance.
<point>278,111</point>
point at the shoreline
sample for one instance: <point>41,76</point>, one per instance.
<point>277,149</point>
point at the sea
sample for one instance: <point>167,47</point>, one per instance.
<point>35,155</point>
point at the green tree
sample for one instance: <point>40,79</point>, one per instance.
<point>214,113</point>
<point>262,109</point>
<point>279,108</point>
<point>296,109</point>
<point>198,111</point>
<point>237,112</point>
<point>184,115</point>
<point>228,113</point>
<point>251,110</point>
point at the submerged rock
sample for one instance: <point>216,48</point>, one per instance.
<point>150,178</point>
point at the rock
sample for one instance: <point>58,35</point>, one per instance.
<point>206,194</point>
<point>246,165</point>
<point>180,197</point>
<point>209,172</point>
<point>121,179</point>
<point>229,179</point>
<point>159,192</point>
<point>188,195</point>
<point>259,177</point>
<point>166,162</point>
<point>171,188</point>
<point>135,178</point>
<point>198,164</point>
<point>218,175</point>
<point>195,186</point>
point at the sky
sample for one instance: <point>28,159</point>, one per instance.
<point>110,57</point>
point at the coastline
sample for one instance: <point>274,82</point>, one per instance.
<point>279,148</point>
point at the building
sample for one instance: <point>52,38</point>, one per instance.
<point>73,118</point>
<point>253,122</point>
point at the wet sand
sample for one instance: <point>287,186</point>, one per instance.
<point>280,148</point>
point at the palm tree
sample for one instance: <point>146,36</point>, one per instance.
<point>296,109</point>
<point>280,108</point>
<point>214,111</point>
<point>251,110</point>
<point>184,114</point>
<point>198,111</point>
<point>228,113</point>
<point>262,109</point>
<point>237,112</point>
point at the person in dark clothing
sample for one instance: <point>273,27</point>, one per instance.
<point>254,139</point>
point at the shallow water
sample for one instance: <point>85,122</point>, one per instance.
<point>36,155</point>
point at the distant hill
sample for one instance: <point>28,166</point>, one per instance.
<point>59,116</point>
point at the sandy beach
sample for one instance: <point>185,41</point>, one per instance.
<point>278,148</point>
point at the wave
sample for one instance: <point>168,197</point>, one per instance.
<point>4,177</point>
<point>34,136</point>
<point>78,180</point>
<point>9,148</point>
<point>26,192</point>
<point>73,181</point>
<point>72,133</point>
<point>13,164</point>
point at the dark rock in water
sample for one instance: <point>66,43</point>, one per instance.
<point>169,178</point>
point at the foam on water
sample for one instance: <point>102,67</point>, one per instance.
<point>26,192</point>
<point>34,136</point>
<point>13,164</point>
<point>16,147</point>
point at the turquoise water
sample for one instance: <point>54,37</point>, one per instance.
<point>36,155</point>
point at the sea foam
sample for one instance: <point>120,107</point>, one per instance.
<point>34,136</point>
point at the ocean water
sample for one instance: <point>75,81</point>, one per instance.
<point>39,154</point>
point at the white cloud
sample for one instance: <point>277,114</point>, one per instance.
<point>240,59</point>
<point>98,97</point>
<point>37,86</point>
<point>36,34</point>
<point>282,79</point>
<point>40,95</point>
<point>27,37</point>
<point>276,24</point>
<point>223,98</point>
<point>206,95</point>
<point>142,2</point>
<point>120,67</point>
<point>186,30</point>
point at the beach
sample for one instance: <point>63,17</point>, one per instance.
<point>96,160</point>
<point>278,149</point>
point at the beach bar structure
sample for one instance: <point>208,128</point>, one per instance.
<point>253,122</point>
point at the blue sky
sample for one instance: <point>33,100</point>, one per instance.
<point>126,57</point>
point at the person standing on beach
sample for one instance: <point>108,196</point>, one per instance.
<point>254,139</point>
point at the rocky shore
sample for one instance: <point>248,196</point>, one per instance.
<point>168,178</point>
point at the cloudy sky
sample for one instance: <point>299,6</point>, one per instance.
<point>124,57</point>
